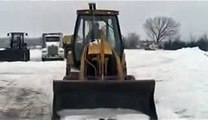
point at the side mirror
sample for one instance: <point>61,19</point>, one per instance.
<point>26,34</point>
<point>7,34</point>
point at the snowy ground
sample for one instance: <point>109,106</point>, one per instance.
<point>181,85</point>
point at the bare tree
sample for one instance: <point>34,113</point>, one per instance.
<point>132,40</point>
<point>160,28</point>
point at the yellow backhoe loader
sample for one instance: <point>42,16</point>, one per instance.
<point>100,79</point>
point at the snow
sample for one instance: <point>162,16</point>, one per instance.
<point>181,86</point>
<point>95,114</point>
<point>26,87</point>
<point>181,80</point>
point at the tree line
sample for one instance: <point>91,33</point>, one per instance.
<point>164,32</point>
<point>177,43</point>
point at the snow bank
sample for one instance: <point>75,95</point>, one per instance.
<point>181,80</point>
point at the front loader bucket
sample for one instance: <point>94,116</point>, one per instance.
<point>15,55</point>
<point>75,94</point>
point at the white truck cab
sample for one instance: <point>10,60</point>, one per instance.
<point>53,48</point>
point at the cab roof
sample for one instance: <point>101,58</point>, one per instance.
<point>93,11</point>
<point>17,32</point>
<point>97,12</point>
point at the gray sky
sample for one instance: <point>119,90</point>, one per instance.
<point>36,17</point>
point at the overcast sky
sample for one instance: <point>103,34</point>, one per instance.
<point>36,17</point>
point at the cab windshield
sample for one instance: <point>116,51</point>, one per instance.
<point>17,37</point>
<point>88,31</point>
<point>52,39</point>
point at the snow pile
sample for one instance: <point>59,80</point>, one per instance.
<point>181,86</point>
<point>181,80</point>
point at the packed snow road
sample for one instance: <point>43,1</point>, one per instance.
<point>181,85</point>
<point>26,87</point>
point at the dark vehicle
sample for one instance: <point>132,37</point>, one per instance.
<point>17,50</point>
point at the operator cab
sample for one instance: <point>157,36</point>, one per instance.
<point>17,40</point>
<point>88,24</point>
<point>52,39</point>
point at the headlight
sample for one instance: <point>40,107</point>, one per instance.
<point>44,51</point>
<point>61,51</point>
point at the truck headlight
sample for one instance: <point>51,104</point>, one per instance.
<point>61,51</point>
<point>44,51</point>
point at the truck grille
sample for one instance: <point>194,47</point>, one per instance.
<point>52,50</point>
